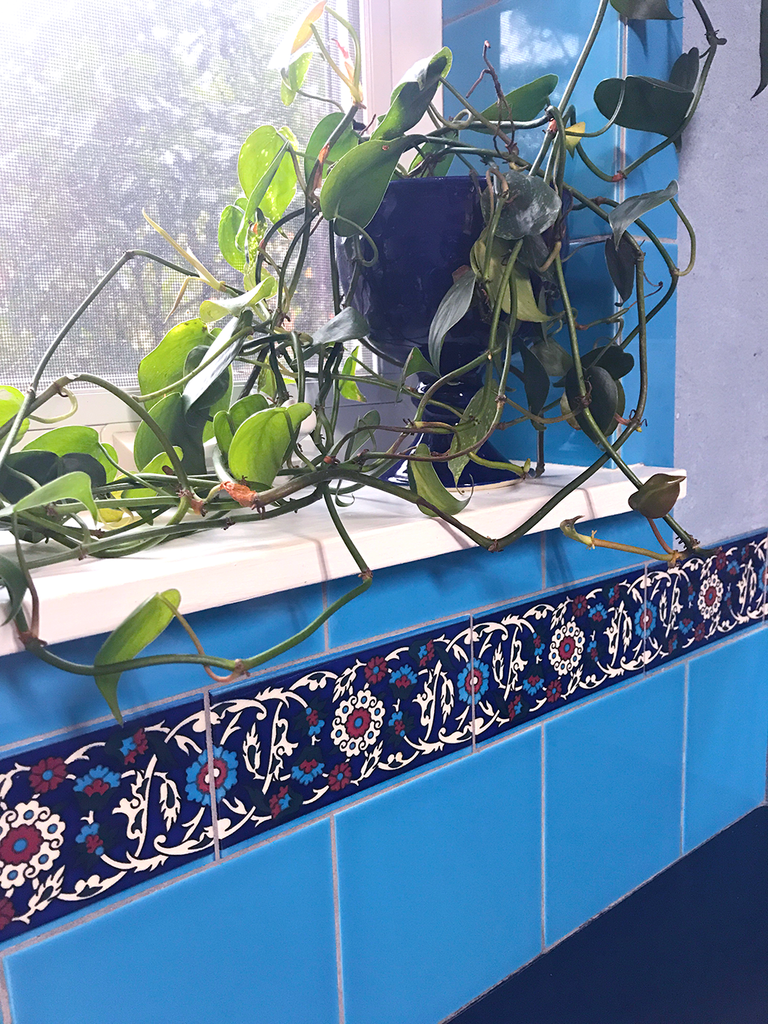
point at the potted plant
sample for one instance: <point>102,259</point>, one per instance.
<point>275,445</point>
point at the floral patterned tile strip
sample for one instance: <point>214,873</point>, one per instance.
<point>89,817</point>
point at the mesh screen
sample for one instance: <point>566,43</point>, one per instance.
<point>110,106</point>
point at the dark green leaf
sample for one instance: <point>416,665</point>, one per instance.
<point>535,381</point>
<point>626,213</point>
<point>140,628</point>
<point>353,190</point>
<point>474,424</point>
<point>71,440</point>
<point>15,583</point>
<point>604,395</point>
<point>452,308</point>
<point>416,363</point>
<point>621,265</point>
<point>644,10</point>
<point>429,149</point>
<point>413,94</point>
<point>261,443</point>
<point>38,466</point>
<point>168,413</point>
<point>212,382</point>
<point>230,222</point>
<point>612,358</point>
<point>323,131</point>
<point>530,206</point>
<point>428,486</point>
<point>648,105</point>
<point>526,102</point>
<point>348,325</point>
<point>685,70</point>
<point>79,462</point>
<point>763,48</point>
<point>657,496</point>
<point>553,357</point>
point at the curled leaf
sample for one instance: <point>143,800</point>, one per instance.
<point>452,308</point>
<point>646,104</point>
<point>140,628</point>
<point>657,496</point>
<point>428,486</point>
<point>631,209</point>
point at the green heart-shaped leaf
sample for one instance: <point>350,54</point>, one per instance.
<point>230,222</point>
<point>72,440</point>
<point>322,132</point>
<point>535,381</point>
<point>134,633</point>
<point>604,399</point>
<point>413,94</point>
<point>530,206</point>
<point>76,486</point>
<point>355,187</point>
<point>524,103</point>
<point>648,104</point>
<point>261,443</point>
<point>266,172</point>
<point>621,263</point>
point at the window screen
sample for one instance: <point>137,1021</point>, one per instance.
<point>111,106</point>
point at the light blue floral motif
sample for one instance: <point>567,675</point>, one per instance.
<point>97,780</point>
<point>645,620</point>
<point>598,613</point>
<point>403,677</point>
<point>533,683</point>
<point>473,680</point>
<point>225,775</point>
<point>95,846</point>
<point>307,771</point>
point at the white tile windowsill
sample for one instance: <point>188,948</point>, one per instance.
<point>256,559</point>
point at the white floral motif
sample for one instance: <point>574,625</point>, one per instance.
<point>710,596</point>
<point>30,840</point>
<point>566,648</point>
<point>357,722</point>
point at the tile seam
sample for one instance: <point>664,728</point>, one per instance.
<point>5,996</point>
<point>471,678</point>
<point>543,843</point>
<point>337,919</point>
<point>211,775</point>
<point>684,780</point>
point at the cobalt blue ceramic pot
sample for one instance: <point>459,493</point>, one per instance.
<point>424,231</point>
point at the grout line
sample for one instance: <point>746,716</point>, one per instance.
<point>645,617</point>
<point>326,627</point>
<point>337,920</point>
<point>471,677</point>
<point>5,999</point>
<point>211,774</point>
<point>685,757</point>
<point>543,560</point>
<point>765,580</point>
<point>543,844</point>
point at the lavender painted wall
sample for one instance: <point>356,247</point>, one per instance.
<point>721,430</point>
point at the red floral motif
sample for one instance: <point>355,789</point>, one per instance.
<point>357,722</point>
<point>312,716</point>
<point>579,606</point>
<point>700,631</point>
<point>220,773</point>
<point>720,559</point>
<point>20,844</point>
<point>47,774</point>
<point>554,690</point>
<point>93,843</point>
<point>7,913</point>
<point>97,786</point>
<point>514,707</point>
<point>426,653</point>
<point>613,594</point>
<point>376,670</point>
<point>279,801</point>
<point>340,776</point>
<point>139,747</point>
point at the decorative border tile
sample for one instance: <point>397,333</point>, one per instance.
<point>92,816</point>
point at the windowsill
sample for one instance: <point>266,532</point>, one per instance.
<point>254,560</point>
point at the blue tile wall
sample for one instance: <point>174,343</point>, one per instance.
<point>727,735</point>
<point>527,40</point>
<point>36,699</point>
<point>404,597</point>
<point>439,886</point>
<point>613,788</point>
<point>252,939</point>
<point>90,816</point>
